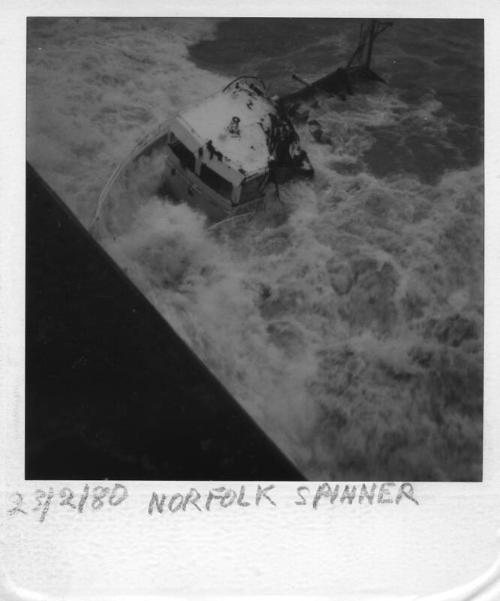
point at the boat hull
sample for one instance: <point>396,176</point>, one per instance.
<point>153,171</point>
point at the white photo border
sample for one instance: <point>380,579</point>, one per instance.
<point>446,548</point>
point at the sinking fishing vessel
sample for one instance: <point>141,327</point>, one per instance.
<point>227,155</point>
<point>219,156</point>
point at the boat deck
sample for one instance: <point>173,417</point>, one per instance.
<point>248,148</point>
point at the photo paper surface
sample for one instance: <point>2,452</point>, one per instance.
<point>249,259</point>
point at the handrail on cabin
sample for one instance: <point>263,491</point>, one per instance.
<point>233,81</point>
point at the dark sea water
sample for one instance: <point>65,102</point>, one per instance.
<point>424,60</point>
<point>350,323</point>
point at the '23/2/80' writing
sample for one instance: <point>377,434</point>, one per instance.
<point>94,498</point>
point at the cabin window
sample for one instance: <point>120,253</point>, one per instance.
<point>216,182</point>
<point>185,156</point>
<point>252,188</point>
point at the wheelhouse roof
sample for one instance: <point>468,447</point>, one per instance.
<point>246,152</point>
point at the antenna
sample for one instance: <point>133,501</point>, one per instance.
<point>368,33</point>
<point>371,38</point>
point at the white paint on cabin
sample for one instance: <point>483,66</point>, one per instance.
<point>211,121</point>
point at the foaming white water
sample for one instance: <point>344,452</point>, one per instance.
<point>335,328</point>
<point>211,294</point>
<point>95,86</point>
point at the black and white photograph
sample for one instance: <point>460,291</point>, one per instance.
<point>254,249</point>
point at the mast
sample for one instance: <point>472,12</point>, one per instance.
<point>358,68</point>
<point>368,33</point>
<point>371,38</point>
